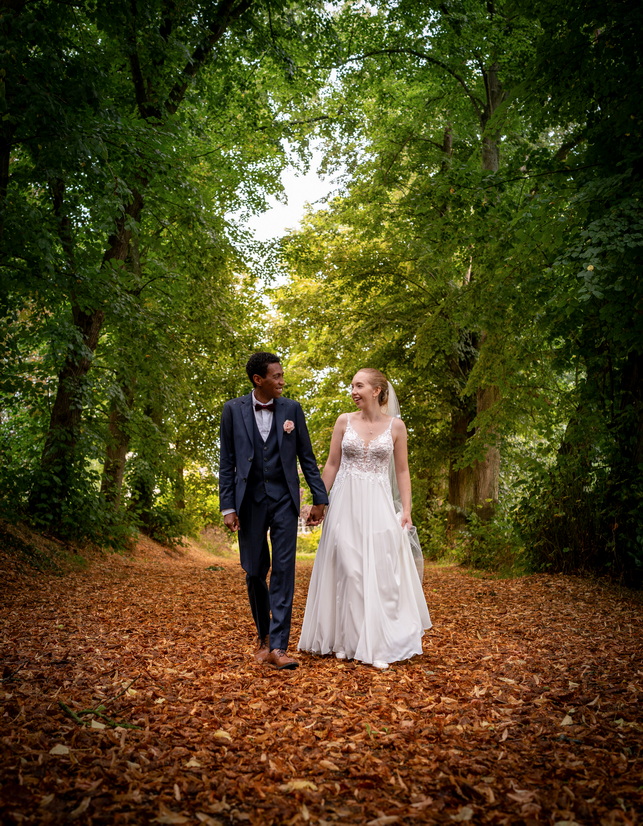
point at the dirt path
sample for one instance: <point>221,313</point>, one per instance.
<point>524,708</point>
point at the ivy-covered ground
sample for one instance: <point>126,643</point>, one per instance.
<point>524,708</point>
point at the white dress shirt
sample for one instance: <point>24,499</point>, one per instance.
<point>263,418</point>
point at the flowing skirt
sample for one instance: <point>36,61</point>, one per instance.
<point>365,598</point>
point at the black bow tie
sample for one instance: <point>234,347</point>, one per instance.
<point>270,406</point>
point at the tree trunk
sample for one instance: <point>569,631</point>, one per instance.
<point>179,484</point>
<point>143,478</point>
<point>487,471</point>
<point>461,496</point>
<point>8,10</point>
<point>491,135</point>
<point>62,436</point>
<point>64,422</point>
<point>475,488</point>
<point>624,492</point>
<point>632,402</point>
<point>117,446</point>
<point>59,453</point>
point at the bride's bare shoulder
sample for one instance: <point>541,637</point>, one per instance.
<point>398,426</point>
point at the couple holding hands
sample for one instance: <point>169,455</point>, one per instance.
<point>365,600</point>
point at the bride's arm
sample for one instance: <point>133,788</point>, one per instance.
<point>402,474</point>
<point>335,453</point>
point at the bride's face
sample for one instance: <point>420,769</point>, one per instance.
<point>362,391</point>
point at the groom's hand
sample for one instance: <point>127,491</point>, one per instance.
<point>231,521</point>
<point>316,515</point>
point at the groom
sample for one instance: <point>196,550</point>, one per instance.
<point>262,436</point>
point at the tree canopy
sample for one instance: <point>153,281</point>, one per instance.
<point>484,251</point>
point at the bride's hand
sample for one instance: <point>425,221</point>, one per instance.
<point>406,521</point>
<point>316,515</point>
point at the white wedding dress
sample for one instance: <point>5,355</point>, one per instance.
<point>365,599</point>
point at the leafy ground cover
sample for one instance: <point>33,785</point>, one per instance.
<point>129,695</point>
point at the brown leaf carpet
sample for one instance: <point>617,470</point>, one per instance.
<point>524,708</point>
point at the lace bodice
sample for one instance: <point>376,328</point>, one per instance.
<point>366,460</point>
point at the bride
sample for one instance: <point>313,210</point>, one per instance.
<point>365,599</point>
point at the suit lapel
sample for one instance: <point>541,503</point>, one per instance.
<point>248,415</point>
<point>280,418</point>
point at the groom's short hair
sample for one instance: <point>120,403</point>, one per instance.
<point>258,364</point>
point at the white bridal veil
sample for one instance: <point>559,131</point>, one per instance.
<point>393,409</point>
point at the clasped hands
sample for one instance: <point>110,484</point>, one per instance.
<point>314,517</point>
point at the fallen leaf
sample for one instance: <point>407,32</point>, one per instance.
<point>521,796</point>
<point>168,816</point>
<point>422,804</point>
<point>298,785</point>
<point>464,815</point>
<point>59,750</point>
<point>124,616</point>
<point>80,809</point>
<point>209,821</point>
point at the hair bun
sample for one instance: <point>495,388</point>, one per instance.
<point>377,379</point>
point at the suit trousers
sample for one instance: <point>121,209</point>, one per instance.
<point>271,605</point>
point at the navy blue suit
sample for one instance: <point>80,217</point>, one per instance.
<point>260,481</point>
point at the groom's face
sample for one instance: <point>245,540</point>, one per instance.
<point>272,385</point>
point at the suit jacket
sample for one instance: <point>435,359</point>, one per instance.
<point>237,451</point>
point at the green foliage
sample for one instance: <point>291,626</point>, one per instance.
<point>81,515</point>
<point>490,546</point>
<point>201,500</point>
<point>307,543</point>
<point>455,278</point>
<point>136,142</point>
<point>165,524</point>
<point>433,534</point>
<point>484,251</point>
<point>383,275</point>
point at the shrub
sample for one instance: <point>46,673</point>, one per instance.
<point>307,542</point>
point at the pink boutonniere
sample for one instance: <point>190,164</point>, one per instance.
<point>289,426</point>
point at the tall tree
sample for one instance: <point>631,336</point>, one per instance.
<point>104,105</point>
<point>432,86</point>
<point>587,510</point>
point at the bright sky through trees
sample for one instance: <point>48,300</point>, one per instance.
<point>300,189</point>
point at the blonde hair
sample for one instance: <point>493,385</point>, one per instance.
<point>377,379</point>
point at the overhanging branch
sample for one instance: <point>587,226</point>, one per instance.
<point>475,102</point>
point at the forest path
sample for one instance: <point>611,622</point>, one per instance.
<point>524,708</point>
